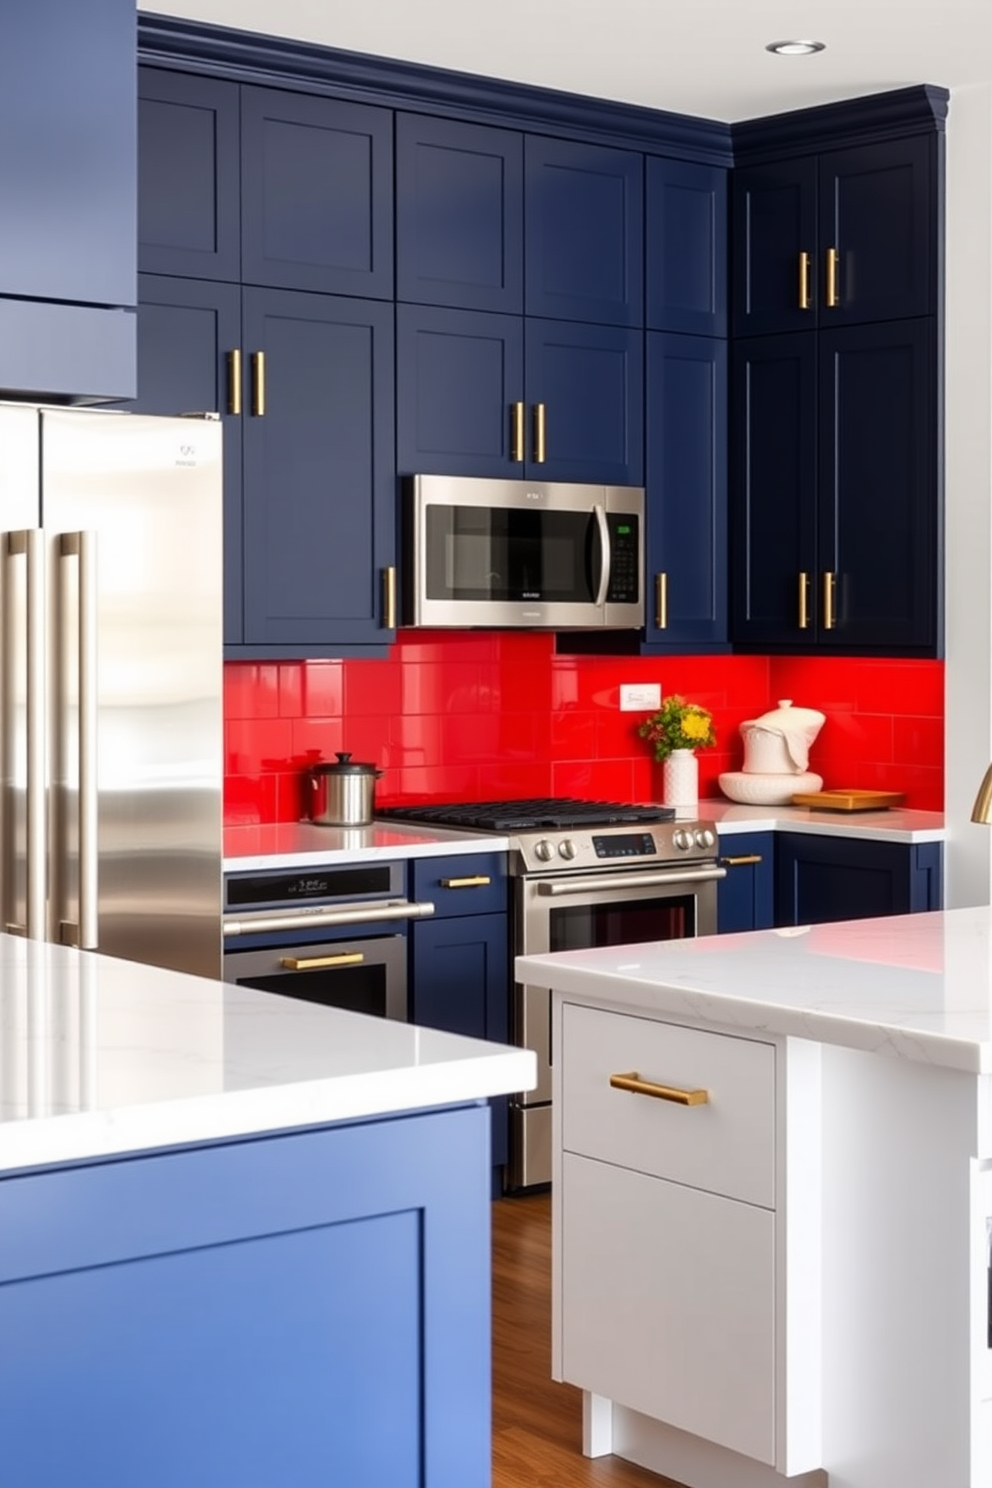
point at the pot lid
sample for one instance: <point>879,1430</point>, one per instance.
<point>345,766</point>
<point>798,727</point>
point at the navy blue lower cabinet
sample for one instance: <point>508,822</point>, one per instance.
<point>818,879</point>
<point>306,1309</point>
<point>686,492</point>
<point>746,897</point>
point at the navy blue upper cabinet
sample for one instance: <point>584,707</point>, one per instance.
<point>189,182</point>
<point>584,232</point>
<point>459,214</point>
<point>501,395</point>
<point>319,473</point>
<point>685,266</point>
<point>845,237</point>
<point>836,517</point>
<point>686,491</point>
<point>68,199</point>
<point>264,186</point>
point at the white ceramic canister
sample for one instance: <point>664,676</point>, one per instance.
<point>778,743</point>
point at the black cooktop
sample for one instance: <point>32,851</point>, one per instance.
<point>530,815</point>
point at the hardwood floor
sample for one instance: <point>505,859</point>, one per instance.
<point>537,1424</point>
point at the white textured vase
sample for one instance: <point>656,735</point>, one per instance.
<point>680,779</point>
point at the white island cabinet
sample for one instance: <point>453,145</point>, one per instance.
<point>244,1240</point>
<point>772,1202</point>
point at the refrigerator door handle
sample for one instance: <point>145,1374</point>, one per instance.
<point>82,546</point>
<point>30,545</point>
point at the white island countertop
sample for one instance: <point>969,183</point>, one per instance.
<point>102,1057</point>
<point>917,987</point>
<point>308,845</point>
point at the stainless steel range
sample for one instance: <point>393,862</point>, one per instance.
<point>587,873</point>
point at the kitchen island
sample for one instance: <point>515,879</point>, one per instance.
<point>243,1240</point>
<point>772,1202</point>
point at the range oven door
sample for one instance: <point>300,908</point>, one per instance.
<point>574,912</point>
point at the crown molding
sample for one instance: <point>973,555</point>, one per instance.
<point>921,109</point>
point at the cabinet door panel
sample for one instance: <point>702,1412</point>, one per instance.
<point>319,477</point>
<point>590,380</point>
<point>687,488</point>
<point>317,182</point>
<point>687,1280</point>
<point>774,222</point>
<point>686,262</point>
<point>774,461</point>
<point>186,329</point>
<point>878,487</point>
<point>459,214</point>
<point>458,374</point>
<point>877,209</point>
<point>584,248</point>
<point>818,879</point>
<point>189,193</point>
<point>746,897</point>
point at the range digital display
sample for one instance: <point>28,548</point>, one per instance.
<point>626,845</point>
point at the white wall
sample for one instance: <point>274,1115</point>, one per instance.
<point>968,671</point>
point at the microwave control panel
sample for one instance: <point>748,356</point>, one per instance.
<point>625,546</point>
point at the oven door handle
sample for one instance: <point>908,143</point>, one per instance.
<point>592,883</point>
<point>269,921</point>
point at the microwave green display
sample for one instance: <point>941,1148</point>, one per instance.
<point>623,531</point>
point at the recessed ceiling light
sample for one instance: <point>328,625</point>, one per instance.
<point>795,48</point>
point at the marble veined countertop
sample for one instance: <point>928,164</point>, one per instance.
<point>915,986</point>
<point>895,825</point>
<point>101,1057</point>
<point>307,845</point>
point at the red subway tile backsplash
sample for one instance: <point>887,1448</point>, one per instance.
<point>471,715</point>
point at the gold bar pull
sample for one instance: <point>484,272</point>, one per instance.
<point>742,861</point>
<point>480,882</point>
<point>833,260</point>
<point>804,601</point>
<point>517,432</point>
<point>258,383</point>
<point>637,1086</point>
<point>829,591</point>
<point>661,601</point>
<point>389,598</point>
<point>234,381</point>
<point>315,963</point>
<point>804,281</point>
<point>540,433</point>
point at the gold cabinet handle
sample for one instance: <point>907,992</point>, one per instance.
<point>481,881</point>
<point>389,598</point>
<point>661,601</point>
<point>833,259</point>
<point>234,381</point>
<point>517,432</point>
<point>637,1086</point>
<point>742,861</point>
<point>804,281</point>
<point>258,383</point>
<point>829,590</point>
<point>315,963</point>
<point>540,433</point>
<point>804,601</point>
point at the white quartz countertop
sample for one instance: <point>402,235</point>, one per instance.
<point>306,845</point>
<point>101,1057</point>
<point>895,825</point>
<point>915,986</point>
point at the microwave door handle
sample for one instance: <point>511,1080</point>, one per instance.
<point>604,538</point>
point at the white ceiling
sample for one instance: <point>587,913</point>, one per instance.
<point>702,57</point>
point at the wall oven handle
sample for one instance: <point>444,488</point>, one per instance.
<point>604,539</point>
<point>591,883</point>
<point>321,963</point>
<point>268,921</point>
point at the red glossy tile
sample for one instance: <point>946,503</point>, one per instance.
<point>323,688</point>
<point>853,736</point>
<point>414,740</point>
<point>573,735</point>
<point>906,687</point>
<point>257,746</point>
<point>919,741</point>
<point>291,689</point>
<point>595,780</point>
<point>467,738</point>
<point>249,799</point>
<point>317,738</point>
<point>372,688</point>
<point>292,795</point>
<point>429,783</point>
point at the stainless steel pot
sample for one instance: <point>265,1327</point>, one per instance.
<point>342,794</point>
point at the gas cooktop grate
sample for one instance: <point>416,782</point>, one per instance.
<point>529,815</point>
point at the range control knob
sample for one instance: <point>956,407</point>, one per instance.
<point>543,850</point>
<point>682,839</point>
<point>567,848</point>
<point>705,838</point>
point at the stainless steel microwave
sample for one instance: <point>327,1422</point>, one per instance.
<point>536,555</point>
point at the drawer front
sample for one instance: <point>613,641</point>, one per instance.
<point>726,1145</point>
<point>471,883</point>
<point>668,1303</point>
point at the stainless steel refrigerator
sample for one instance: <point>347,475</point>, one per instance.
<point>111,683</point>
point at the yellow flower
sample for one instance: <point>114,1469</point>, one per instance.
<point>695,726</point>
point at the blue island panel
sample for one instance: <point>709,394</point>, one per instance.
<point>309,1309</point>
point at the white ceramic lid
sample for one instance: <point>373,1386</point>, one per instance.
<point>797,727</point>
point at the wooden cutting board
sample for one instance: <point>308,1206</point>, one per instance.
<point>850,800</point>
